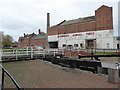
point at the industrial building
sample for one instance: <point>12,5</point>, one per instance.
<point>84,33</point>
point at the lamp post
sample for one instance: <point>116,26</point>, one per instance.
<point>91,53</point>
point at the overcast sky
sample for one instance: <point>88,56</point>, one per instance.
<point>27,16</point>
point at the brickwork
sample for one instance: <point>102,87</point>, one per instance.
<point>104,18</point>
<point>75,53</point>
<point>103,21</point>
<point>33,40</point>
<point>38,42</point>
<point>23,42</point>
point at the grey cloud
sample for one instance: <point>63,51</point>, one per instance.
<point>19,16</point>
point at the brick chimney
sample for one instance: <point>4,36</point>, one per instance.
<point>24,34</point>
<point>48,20</point>
<point>39,31</point>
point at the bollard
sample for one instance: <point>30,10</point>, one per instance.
<point>113,75</point>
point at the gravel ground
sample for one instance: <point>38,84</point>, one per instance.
<point>43,74</point>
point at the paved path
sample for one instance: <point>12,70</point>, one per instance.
<point>106,59</point>
<point>41,74</point>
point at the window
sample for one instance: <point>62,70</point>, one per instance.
<point>107,45</point>
<point>64,45</point>
<point>69,47</point>
<point>117,38</point>
<point>81,45</point>
<point>75,45</point>
<point>118,47</point>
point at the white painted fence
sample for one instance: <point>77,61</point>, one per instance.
<point>32,52</point>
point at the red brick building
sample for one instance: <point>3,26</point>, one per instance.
<point>102,20</point>
<point>33,40</point>
<point>83,31</point>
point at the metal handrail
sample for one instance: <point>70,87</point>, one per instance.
<point>13,80</point>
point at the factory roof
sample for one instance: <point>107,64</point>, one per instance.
<point>79,20</point>
<point>39,36</point>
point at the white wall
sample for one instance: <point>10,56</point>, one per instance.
<point>52,38</point>
<point>102,38</point>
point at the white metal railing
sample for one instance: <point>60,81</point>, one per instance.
<point>32,52</point>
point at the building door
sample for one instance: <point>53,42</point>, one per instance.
<point>118,47</point>
<point>90,44</point>
<point>53,44</point>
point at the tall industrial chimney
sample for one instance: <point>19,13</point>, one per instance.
<point>39,31</point>
<point>48,20</point>
<point>24,34</point>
